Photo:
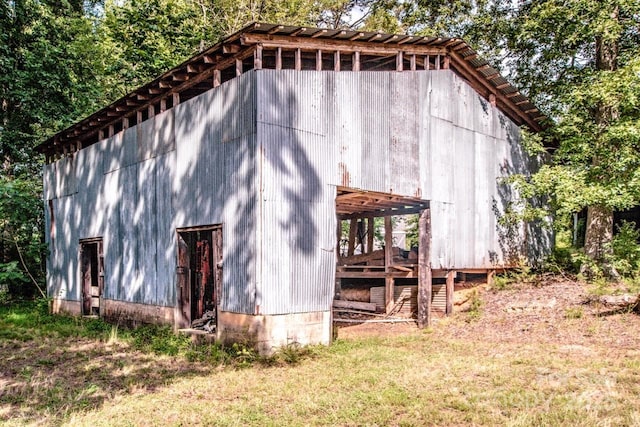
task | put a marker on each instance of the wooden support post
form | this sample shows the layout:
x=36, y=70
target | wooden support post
x=298, y=60
x=238, y=67
x=257, y=57
x=217, y=78
x=413, y=62
x=151, y=111
x=360, y=235
x=111, y=131
x=492, y=99
x=338, y=238
x=370, y=233
x=176, y=99
x=424, y=269
x=389, y=299
x=451, y=276
x=446, y=62
x=163, y=105
x=399, y=59
x=125, y=123
x=336, y=61
x=138, y=117
x=353, y=228
x=426, y=62
x=437, y=61
x=279, y=58
x=100, y=134
x=318, y=60
x=356, y=61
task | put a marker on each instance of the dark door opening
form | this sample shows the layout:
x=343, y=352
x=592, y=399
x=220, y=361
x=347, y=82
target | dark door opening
x=92, y=275
x=199, y=277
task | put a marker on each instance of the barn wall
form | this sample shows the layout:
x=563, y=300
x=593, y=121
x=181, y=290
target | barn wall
x=426, y=134
x=135, y=188
x=297, y=219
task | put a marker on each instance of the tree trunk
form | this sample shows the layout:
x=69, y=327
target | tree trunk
x=600, y=218
x=599, y=232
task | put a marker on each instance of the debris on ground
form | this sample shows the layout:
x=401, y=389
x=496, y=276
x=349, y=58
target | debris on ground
x=206, y=323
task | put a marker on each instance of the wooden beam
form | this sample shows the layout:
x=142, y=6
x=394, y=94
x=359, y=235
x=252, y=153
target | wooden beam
x=336, y=60
x=217, y=78
x=176, y=99
x=352, y=236
x=278, y=58
x=446, y=62
x=297, y=63
x=451, y=276
x=426, y=62
x=412, y=61
x=111, y=131
x=370, y=233
x=388, y=260
x=399, y=60
x=163, y=105
x=424, y=269
x=356, y=61
x=151, y=110
x=307, y=43
x=319, y=60
x=238, y=67
x=257, y=58
x=125, y=123
x=138, y=117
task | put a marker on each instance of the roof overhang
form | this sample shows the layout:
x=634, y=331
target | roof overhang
x=244, y=50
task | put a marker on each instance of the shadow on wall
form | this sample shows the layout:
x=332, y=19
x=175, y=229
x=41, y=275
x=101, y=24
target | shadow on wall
x=532, y=240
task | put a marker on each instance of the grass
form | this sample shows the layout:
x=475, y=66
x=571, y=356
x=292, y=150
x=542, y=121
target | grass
x=72, y=372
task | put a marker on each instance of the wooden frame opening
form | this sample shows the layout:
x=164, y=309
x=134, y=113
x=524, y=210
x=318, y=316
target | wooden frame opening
x=365, y=262
x=92, y=275
x=199, y=277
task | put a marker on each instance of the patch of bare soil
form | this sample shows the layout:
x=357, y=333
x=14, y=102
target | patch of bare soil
x=552, y=310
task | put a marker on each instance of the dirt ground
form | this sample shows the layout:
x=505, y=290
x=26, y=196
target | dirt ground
x=553, y=309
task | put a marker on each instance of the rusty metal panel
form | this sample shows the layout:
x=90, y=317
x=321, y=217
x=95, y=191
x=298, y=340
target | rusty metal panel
x=156, y=135
x=403, y=150
x=345, y=129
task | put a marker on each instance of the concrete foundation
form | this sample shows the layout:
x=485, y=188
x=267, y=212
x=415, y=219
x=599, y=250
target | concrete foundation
x=268, y=332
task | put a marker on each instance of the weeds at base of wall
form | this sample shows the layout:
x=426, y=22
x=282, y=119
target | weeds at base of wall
x=475, y=307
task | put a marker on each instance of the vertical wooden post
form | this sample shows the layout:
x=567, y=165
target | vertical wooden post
x=298, y=60
x=151, y=111
x=424, y=269
x=338, y=238
x=125, y=123
x=451, y=276
x=238, y=67
x=318, y=60
x=336, y=61
x=176, y=99
x=163, y=105
x=101, y=134
x=217, y=78
x=492, y=99
x=413, y=62
x=356, y=61
x=279, y=58
x=389, y=299
x=370, y=233
x=399, y=60
x=446, y=61
x=426, y=62
x=353, y=227
x=437, y=61
x=111, y=131
x=257, y=57
x=138, y=117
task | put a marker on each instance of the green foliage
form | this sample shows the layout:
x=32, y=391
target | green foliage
x=625, y=253
x=573, y=313
x=475, y=308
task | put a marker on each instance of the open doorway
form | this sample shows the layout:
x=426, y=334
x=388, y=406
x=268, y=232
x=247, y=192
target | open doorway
x=199, y=277
x=91, y=275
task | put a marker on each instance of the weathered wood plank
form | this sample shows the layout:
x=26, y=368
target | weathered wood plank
x=451, y=275
x=355, y=305
x=424, y=269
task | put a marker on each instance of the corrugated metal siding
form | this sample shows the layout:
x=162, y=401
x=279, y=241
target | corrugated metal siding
x=297, y=235
x=404, y=152
x=375, y=106
x=216, y=180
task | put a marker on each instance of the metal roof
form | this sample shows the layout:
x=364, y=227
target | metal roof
x=195, y=75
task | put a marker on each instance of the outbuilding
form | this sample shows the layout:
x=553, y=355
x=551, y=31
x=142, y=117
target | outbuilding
x=223, y=189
